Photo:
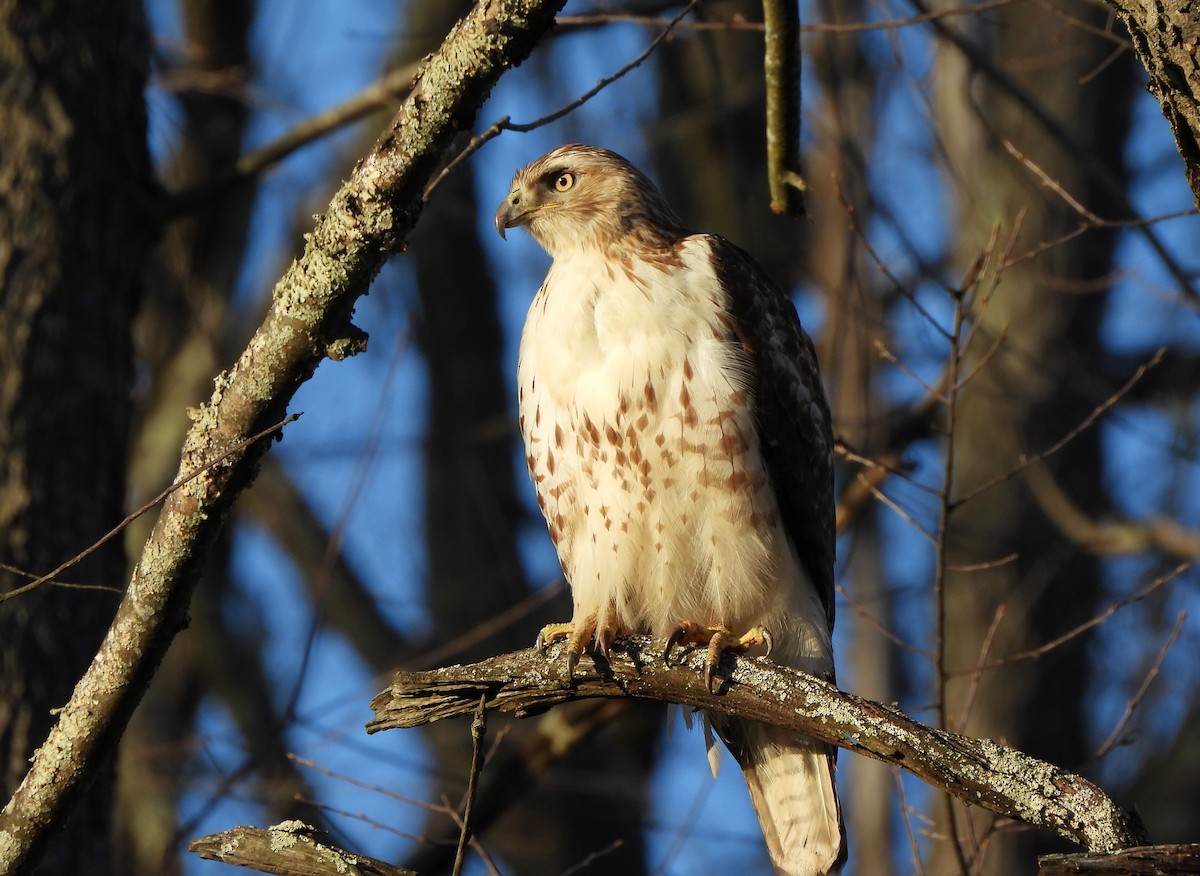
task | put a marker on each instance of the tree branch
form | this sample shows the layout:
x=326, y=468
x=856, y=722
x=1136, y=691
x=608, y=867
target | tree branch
x=309, y=320
x=287, y=849
x=1144, y=861
x=781, y=65
x=978, y=771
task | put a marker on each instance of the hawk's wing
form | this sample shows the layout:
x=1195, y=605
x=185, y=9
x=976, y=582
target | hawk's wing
x=794, y=430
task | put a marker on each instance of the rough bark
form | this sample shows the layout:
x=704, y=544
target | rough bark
x=1143, y=861
x=369, y=217
x=74, y=198
x=984, y=772
x=288, y=849
x=1166, y=35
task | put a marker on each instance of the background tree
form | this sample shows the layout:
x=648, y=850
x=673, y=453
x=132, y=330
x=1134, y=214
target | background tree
x=1009, y=144
x=75, y=194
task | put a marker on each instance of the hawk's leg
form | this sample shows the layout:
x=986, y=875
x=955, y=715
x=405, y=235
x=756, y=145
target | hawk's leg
x=598, y=630
x=719, y=639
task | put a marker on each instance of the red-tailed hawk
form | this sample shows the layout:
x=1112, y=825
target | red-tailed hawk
x=679, y=440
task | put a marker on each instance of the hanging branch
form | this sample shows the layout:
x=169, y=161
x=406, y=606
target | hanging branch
x=978, y=771
x=781, y=64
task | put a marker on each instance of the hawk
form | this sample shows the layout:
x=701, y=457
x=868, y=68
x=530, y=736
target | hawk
x=679, y=441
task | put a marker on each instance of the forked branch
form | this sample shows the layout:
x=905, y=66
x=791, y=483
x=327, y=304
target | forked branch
x=978, y=771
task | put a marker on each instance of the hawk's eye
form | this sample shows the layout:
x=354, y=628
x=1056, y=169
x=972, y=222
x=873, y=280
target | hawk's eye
x=564, y=182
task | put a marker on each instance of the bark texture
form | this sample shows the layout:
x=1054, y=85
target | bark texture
x=1166, y=36
x=74, y=197
x=984, y=772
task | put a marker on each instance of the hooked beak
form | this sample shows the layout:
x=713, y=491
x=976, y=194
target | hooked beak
x=510, y=213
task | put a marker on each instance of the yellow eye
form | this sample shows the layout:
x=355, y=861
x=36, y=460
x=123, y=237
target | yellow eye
x=564, y=182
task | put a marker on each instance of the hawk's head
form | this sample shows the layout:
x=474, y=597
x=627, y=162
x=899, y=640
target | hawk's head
x=580, y=197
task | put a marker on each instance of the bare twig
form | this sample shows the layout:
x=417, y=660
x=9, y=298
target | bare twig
x=914, y=848
x=499, y=126
x=379, y=95
x=1027, y=460
x=478, y=728
x=977, y=675
x=881, y=628
x=981, y=772
x=942, y=547
x=1143, y=689
x=593, y=857
x=739, y=24
x=120, y=527
x=1080, y=629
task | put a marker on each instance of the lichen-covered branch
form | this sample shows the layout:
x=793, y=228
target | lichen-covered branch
x=369, y=217
x=1143, y=861
x=978, y=771
x=288, y=849
x=781, y=65
x=1166, y=37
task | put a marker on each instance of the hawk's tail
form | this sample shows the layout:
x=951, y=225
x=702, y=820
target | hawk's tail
x=790, y=778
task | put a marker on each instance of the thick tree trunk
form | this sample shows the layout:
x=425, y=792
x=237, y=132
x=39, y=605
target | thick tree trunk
x=74, y=188
x=1165, y=35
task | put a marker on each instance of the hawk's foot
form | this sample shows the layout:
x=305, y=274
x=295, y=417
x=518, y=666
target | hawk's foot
x=597, y=631
x=719, y=639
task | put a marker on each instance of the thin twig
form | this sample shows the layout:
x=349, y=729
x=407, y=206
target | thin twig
x=379, y=95
x=977, y=675
x=478, y=729
x=946, y=507
x=1080, y=629
x=1025, y=460
x=883, y=630
x=878, y=261
x=738, y=24
x=120, y=527
x=496, y=128
x=592, y=857
x=906, y=811
x=1136, y=699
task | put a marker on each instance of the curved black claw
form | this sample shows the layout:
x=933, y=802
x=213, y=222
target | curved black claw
x=572, y=662
x=769, y=642
x=677, y=635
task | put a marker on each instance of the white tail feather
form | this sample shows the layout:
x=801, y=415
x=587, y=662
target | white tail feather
x=791, y=784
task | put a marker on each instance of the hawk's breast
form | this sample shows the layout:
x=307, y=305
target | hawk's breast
x=637, y=415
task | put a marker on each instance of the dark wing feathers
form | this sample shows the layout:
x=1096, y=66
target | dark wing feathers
x=790, y=407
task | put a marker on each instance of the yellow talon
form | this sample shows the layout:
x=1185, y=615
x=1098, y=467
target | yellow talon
x=592, y=633
x=718, y=640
